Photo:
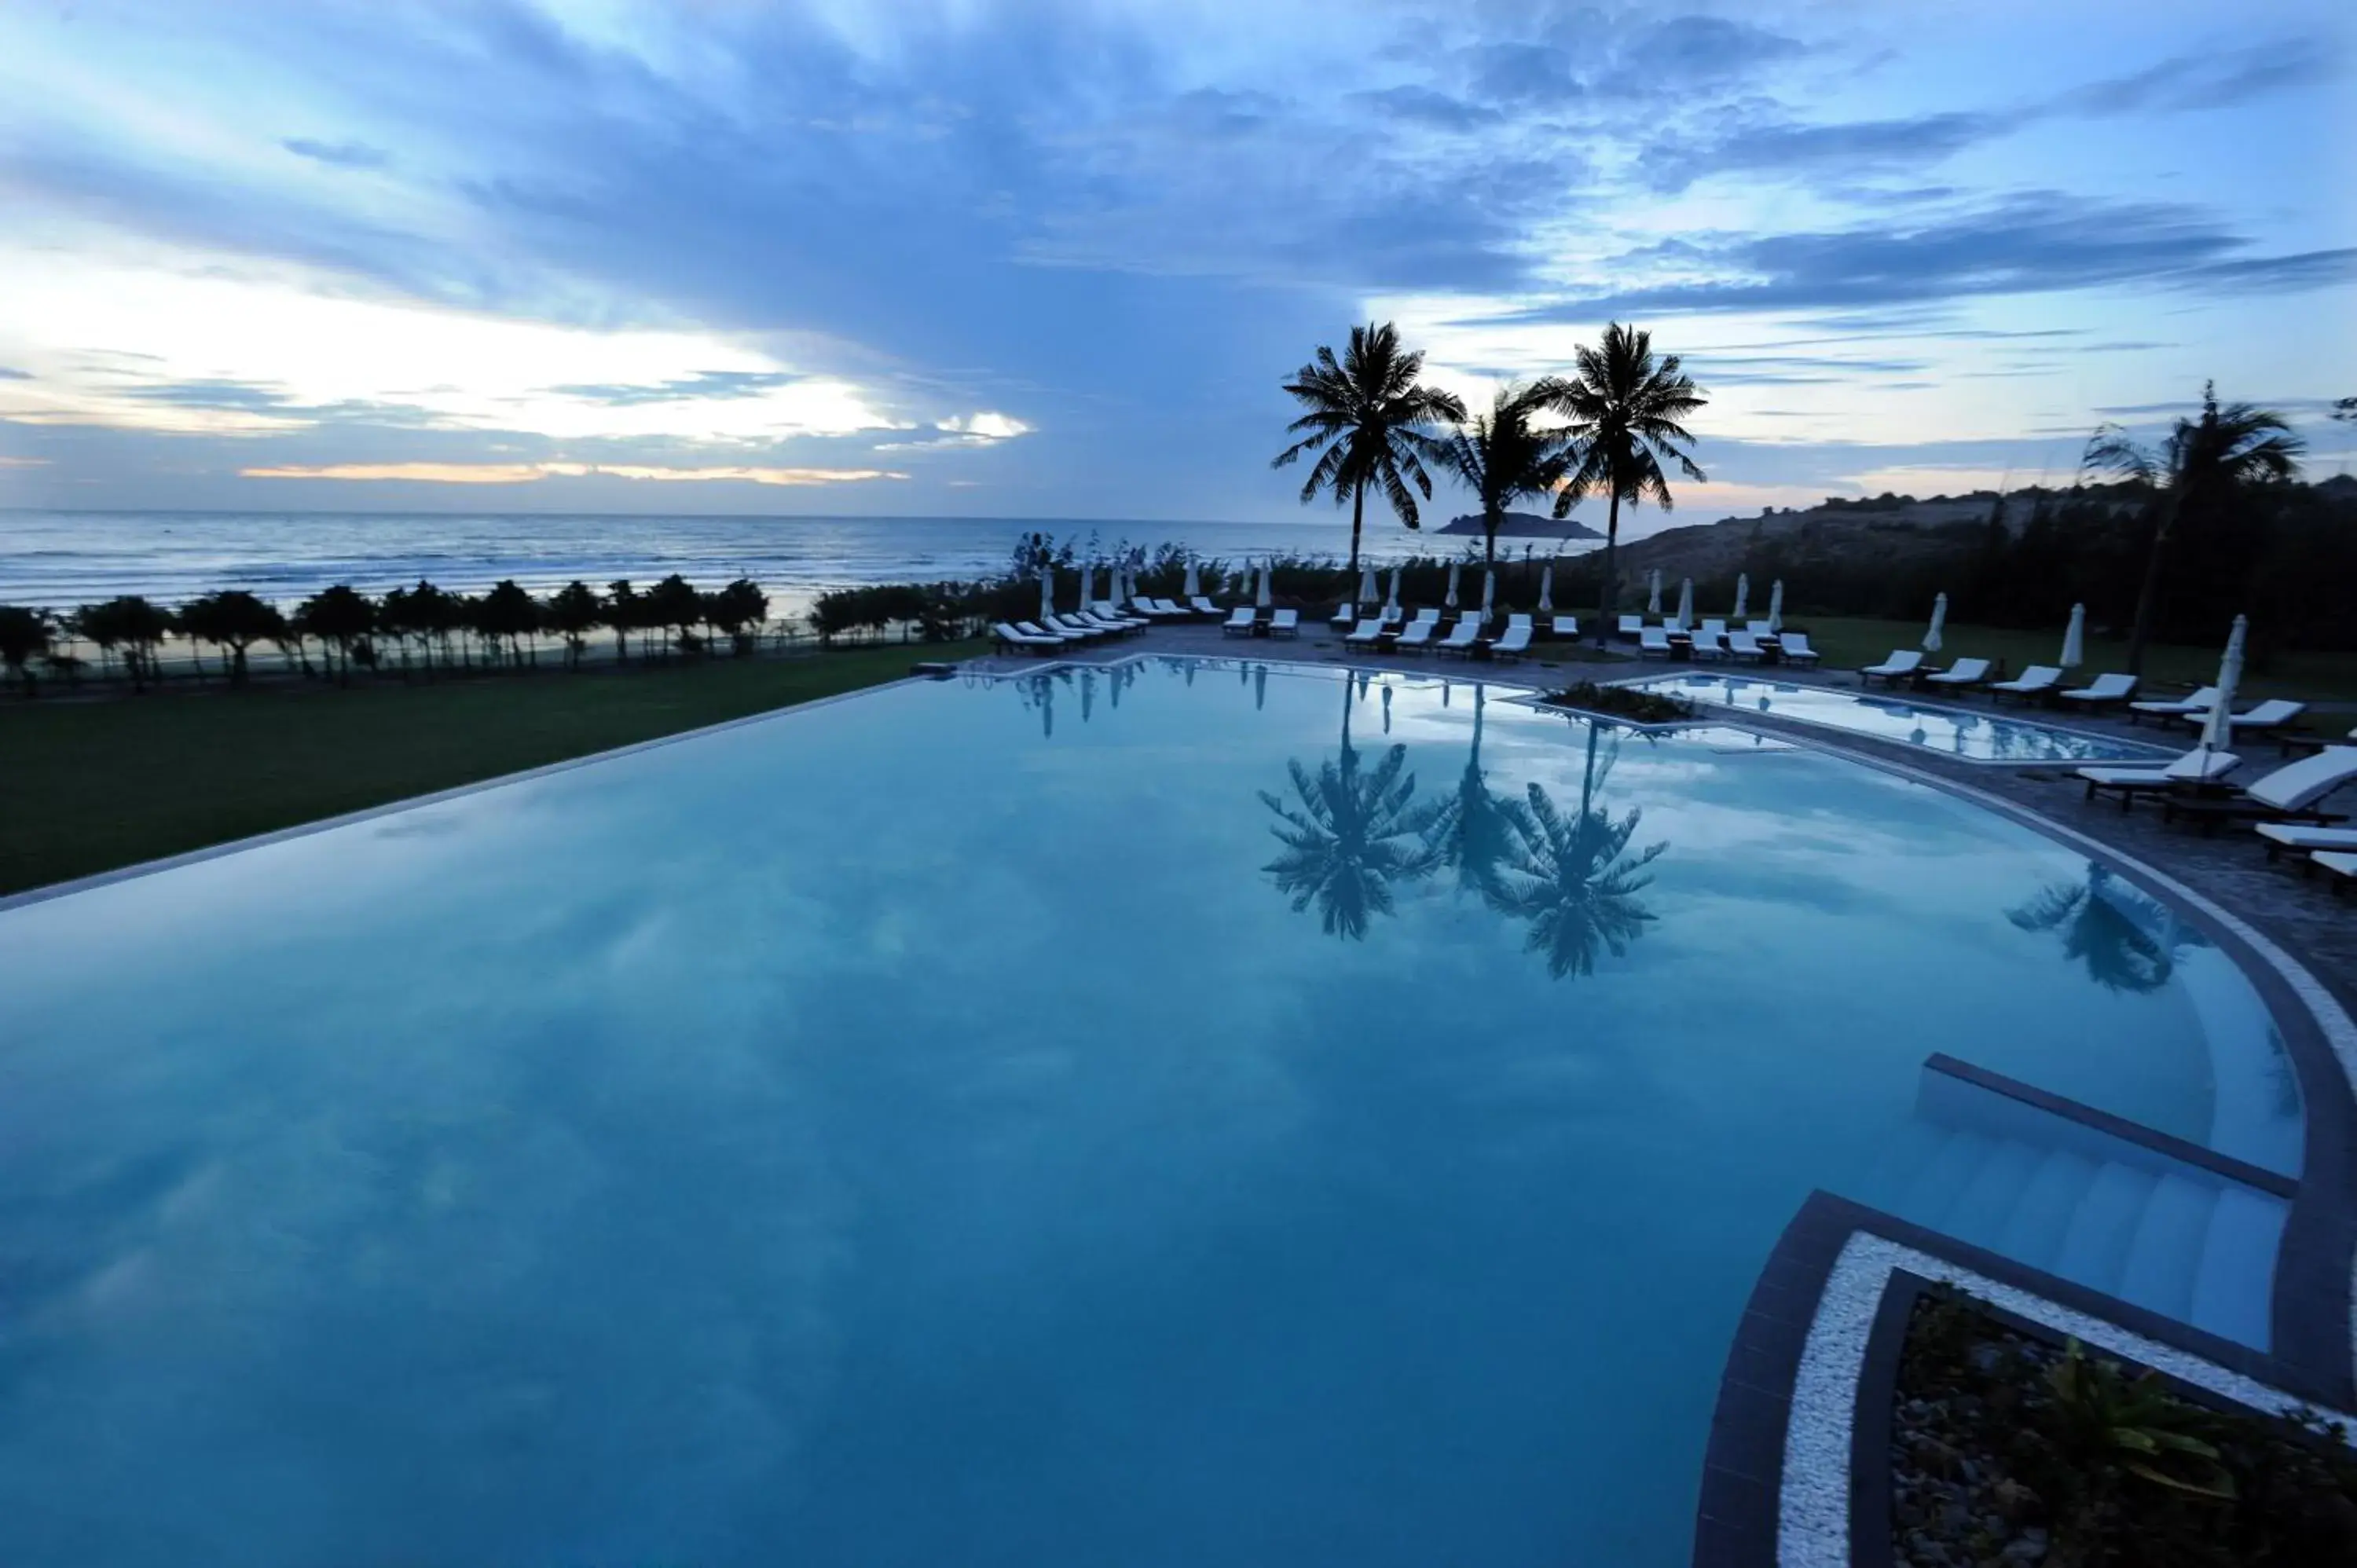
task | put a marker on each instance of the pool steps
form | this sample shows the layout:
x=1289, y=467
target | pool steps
x=2033, y=1184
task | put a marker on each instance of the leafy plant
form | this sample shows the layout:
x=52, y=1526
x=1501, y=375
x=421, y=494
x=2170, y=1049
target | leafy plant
x=2103, y=1419
x=1638, y=703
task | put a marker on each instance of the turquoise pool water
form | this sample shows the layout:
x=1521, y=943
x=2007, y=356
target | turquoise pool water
x=924, y=1130
x=1976, y=736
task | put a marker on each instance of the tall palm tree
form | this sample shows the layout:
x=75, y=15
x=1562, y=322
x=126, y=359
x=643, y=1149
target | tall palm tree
x=1370, y=424
x=2204, y=460
x=1624, y=406
x=2100, y=930
x=1573, y=878
x=1355, y=832
x=1474, y=833
x=1501, y=457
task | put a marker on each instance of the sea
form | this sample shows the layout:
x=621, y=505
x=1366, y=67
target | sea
x=56, y=560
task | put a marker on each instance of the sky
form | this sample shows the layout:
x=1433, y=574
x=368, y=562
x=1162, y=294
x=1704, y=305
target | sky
x=1056, y=261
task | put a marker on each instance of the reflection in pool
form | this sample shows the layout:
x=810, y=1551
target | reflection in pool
x=1984, y=736
x=921, y=1130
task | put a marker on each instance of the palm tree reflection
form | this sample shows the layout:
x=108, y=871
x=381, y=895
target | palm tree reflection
x=1475, y=829
x=2126, y=941
x=1573, y=878
x=1352, y=833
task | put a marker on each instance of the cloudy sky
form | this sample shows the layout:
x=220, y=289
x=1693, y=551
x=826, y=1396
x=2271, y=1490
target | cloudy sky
x=1054, y=260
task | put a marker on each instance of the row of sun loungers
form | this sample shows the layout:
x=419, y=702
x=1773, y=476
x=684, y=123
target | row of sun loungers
x=1421, y=632
x=1743, y=645
x=1281, y=623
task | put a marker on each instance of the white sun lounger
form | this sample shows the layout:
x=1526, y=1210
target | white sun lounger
x=1014, y=637
x=1714, y=626
x=1794, y=648
x=1708, y=644
x=1367, y=633
x=2166, y=708
x=1566, y=626
x=1513, y=643
x=1632, y=627
x=2034, y=681
x=1240, y=621
x=2343, y=866
x=1344, y=614
x=1462, y=637
x=2274, y=716
x=1745, y=647
x=2195, y=768
x=1285, y=623
x=1902, y=664
x=2102, y=692
x=1654, y=642
x=2301, y=838
x=1106, y=610
x=1081, y=629
x=1963, y=672
x=2292, y=792
x=1394, y=613
x=1203, y=606
x=1416, y=635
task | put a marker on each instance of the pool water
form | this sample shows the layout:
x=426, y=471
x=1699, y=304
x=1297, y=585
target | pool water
x=1984, y=736
x=951, y=1125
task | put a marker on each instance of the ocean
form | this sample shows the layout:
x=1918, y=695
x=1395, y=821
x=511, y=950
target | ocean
x=56, y=560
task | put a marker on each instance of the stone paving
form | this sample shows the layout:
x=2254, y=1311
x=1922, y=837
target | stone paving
x=2298, y=911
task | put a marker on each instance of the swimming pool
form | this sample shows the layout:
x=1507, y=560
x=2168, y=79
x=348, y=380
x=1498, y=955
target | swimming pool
x=952, y=1125
x=1960, y=733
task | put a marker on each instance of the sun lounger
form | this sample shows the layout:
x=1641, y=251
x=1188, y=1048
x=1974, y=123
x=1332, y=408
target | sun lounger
x=1792, y=647
x=1566, y=626
x=2343, y=866
x=1957, y=677
x=1715, y=626
x=2290, y=793
x=2193, y=770
x=2301, y=839
x=1106, y=610
x=1394, y=614
x=2274, y=717
x=1462, y=637
x=2037, y=680
x=1632, y=627
x=1203, y=606
x=2101, y=692
x=1367, y=633
x=2166, y=708
x=1654, y=642
x=1430, y=617
x=1514, y=642
x=1240, y=621
x=1124, y=625
x=1708, y=644
x=1010, y=638
x=1523, y=622
x=1416, y=636
x=1344, y=614
x=1081, y=629
x=1744, y=647
x=1901, y=665
x=1285, y=623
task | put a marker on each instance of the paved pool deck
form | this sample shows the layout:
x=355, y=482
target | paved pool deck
x=2298, y=911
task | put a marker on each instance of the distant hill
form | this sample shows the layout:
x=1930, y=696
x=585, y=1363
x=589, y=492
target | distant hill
x=1522, y=525
x=1869, y=532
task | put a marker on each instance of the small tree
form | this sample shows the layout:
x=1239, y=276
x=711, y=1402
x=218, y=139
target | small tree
x=24, y=637
x=232, y=619
x=675, y=604
x=508, y=613
x=737, y=610
x=623, y=607
x=572, y=612
x=340, y=617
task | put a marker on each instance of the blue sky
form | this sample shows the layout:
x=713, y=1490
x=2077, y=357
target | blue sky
x=1054, y=260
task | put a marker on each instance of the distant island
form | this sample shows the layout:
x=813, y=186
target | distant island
x=1522, y=525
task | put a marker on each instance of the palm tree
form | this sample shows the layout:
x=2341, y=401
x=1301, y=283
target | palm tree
x=1475, y=830
x=131, y=624
x=1370, y=423
x=1574, y=879
x=572, y=611
x=1624, y=407
x=1355, y=833
x=1501, y=457
x=340, y=615
x=2204, y=461
x=507, y=611
x=2100, y=930
x=234, y=620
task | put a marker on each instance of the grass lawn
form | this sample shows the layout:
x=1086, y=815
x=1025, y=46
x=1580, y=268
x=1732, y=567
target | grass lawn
x=1848, y=643
x=89, y=786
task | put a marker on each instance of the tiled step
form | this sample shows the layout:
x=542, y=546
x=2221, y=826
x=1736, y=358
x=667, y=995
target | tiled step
x=2043, y=1213
x=1981, y=1210
x=2167, y=1251
x=1937, y=1186
x=2233, y=1285
x=2095, y=1247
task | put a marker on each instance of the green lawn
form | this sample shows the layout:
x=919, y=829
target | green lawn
x=89, y=786
x=1849, y=643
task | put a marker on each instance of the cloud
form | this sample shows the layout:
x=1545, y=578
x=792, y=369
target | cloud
x=8, y=373
x=2212, y=80
x=683, y=389
x=1424, y=105
x=527, y=473
x=24, y=462
x=1852, y=148
x=339, y=155
x=2034, y=243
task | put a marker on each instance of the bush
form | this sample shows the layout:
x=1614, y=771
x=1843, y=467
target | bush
x=1639, y=703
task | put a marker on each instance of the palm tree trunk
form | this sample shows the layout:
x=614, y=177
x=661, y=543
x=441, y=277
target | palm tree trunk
x=2150, y=591
x=1604, y=616
x=1491, y=518
x=1358, y=511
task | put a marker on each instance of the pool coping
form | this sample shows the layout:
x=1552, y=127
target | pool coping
x=98, y=879
x=2159, y=753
